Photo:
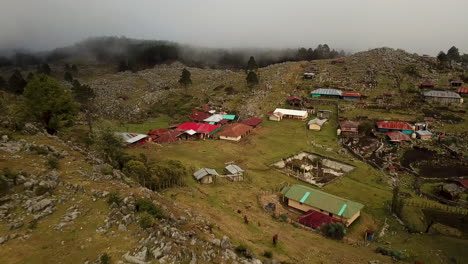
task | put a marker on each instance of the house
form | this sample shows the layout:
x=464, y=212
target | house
x=281, y=113
x=235, y=172
x=308, y=199
x=169, y=136
x=316, y=124
x=351, y=95
x=235, y=132
x=397, y=137
x=443, y=97
x=424, y=134
x=463, y=91
x=324, y=114
x=348, y=127
x=338, y=61
x=389, y=126
x=456, y=83
x=253, y=121
x=214, y=119
x=200, y=130
x=152, y=134
x=309, y=75
x=426, y=85
x=463, y=183
x=205, y=175
x=199, y=116
x=326, y=92
x=132, y=138
x=294, y=100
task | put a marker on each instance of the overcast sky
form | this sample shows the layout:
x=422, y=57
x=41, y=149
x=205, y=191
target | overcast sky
x=423, y=26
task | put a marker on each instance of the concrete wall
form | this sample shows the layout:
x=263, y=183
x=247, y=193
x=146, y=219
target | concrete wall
x=315, y=127
x=231, y=138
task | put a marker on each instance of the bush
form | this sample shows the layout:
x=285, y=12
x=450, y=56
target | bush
x=41, y=150
x=146, y=221
x=397, y=255
x=107, y=170
x=104, y=259
x=284, y=217
x=114, y=197
x=333, y=230
x=33, y=223
x=240, y=249
x=268, y=254
x=40, y=190
x=144, y=205
x=52, y=162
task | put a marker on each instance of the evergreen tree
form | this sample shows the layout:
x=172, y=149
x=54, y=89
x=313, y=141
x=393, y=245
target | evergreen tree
x=74, y=68
x=16, y=83
x=185, y=79
x=84, y=95
x=453, y=54
x=252, y=79
x=44, y=69
x=442, y=57
x=252, y=64
x=49, y=103
x=68, y=77
x=30, y=76
x=302, y=54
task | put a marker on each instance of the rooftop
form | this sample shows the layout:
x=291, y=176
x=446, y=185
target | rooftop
x=397, y=136
x=234, y=169
x=317, y=121
x=204, y=172
x=235, y=130
x=290, y=112
x=253, y=121
x=394, y=125
x=198, y=127
x=130, y=138
x=444, y=94
x=327, y=91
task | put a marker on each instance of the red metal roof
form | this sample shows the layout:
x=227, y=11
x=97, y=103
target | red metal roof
x=398, y=136
x=463, y=90
x=198, y=127
x=253, y=121
x=199, y=116
x=464, y=183
x=426, y=84
x=394, y=125
x=235, y=130
x=291, y=98
x=348, y=125
x=168, y=136
x=157, y=131
x=350, y=94
x=315, y=219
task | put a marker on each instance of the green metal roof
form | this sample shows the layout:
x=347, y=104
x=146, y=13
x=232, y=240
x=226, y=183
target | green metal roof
x=230, y=117
x=322, y=200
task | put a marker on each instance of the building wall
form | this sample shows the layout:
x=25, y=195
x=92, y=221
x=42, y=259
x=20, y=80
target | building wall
x=305, y=208
x=314, y=127
x=425, y=137
x=443, y=100
x=231, y=138
x=275, y=118
x=207, y=179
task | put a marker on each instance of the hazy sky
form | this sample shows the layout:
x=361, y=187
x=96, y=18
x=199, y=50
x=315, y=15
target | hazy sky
x=423, y=26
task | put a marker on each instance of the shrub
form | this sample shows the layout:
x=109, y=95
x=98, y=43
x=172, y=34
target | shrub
x=104, y=259
x=284, y=217
x=146, y=221
x=268, y=254
x=40, y=190
x=41, y=150
x=240, y=249
x=144, y=205
x=52, y=162
x=397, y=255
x=107, y=170
x=114, y=197
x=33, y=223
x=333, y=230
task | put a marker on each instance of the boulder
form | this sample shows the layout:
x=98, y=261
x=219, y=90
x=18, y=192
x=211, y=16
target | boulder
x=225, y=242
x=40, y=205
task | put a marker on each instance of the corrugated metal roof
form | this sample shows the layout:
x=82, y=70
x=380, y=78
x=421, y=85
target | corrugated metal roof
x=204, y=172
x=322, y=200
x=394, y=125
x=199, y=116
x=290, y=98
x=234, y=169
x=327, y=91
x=463, y=90
x=235, y=130
x=444, y=94
x=130, y=138
x=230, y=117
x=398, y=136
x=253, y=121
x=214, y=118
x=424, y=133
x=350, y=94
x=348, y=124
x=317, y=121
x=198, y=127
x=291, y=112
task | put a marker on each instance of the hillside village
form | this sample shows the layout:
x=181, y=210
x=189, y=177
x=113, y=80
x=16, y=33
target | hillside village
x=373, y=145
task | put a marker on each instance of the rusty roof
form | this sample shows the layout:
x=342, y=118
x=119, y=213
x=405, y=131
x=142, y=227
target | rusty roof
x=397, y=136
x=394, y=125
x=235, y=130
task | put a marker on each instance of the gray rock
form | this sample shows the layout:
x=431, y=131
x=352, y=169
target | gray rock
x=5, y=138
x=122, y=227
x=3, y=239
x=225, y=242
x=216, y=242
x=41, y=205
x=15, y=225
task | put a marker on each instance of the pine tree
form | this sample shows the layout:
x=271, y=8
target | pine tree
x=16, y=83
x=44, y=69
x=252, y=64
x=442, y=57
x=185, y=79
x=68, y=77
x=252, y=79
x=453, y=54
x=30, y=76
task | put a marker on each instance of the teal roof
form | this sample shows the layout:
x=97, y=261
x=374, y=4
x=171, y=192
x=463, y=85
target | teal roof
x=230, y=117
x=322, y=200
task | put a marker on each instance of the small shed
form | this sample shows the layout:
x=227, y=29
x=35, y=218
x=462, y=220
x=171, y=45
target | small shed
x=294, y=100
x=324, y=114
x=426, y=85
x=205, y=175
x=253, y=121
x=316, y=124
x=349, y=127
x=198, y=116
x=456, y=83
x=235, y=172
x=443, y=97
x=326, y=92
x=309, y=75
x=424, y=134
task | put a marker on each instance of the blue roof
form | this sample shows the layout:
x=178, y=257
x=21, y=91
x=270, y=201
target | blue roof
x=230, y=117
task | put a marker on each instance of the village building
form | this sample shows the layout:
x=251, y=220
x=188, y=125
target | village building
x=424, y=134
x=326, y=92
x=351, y=95
x=389, y=126
x=456, y=83
x=197, y=130
x=348, y=127
x=426, y=85
x=316, y=124
x=307, y=199
x=205, y=175
x=235, y=173
x=338, y=61
x=309, y=75
x=421, y=126
x=216, y=118
x=132, y=138
x=169, y=136
x=281, y=113
x=235, y=132
x=324, y=114
x=252, y=121
x=443, y=97
x=398, y=137
x=198, y=116
x=463, y=91
x=294, y=100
